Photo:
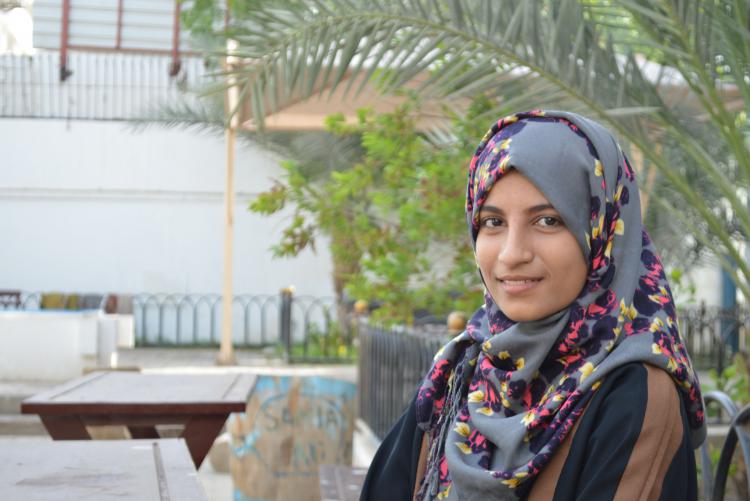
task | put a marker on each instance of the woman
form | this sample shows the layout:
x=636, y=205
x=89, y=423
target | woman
x=572, y=381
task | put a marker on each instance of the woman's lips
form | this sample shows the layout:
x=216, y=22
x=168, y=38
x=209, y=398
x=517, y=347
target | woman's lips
x=514, y=286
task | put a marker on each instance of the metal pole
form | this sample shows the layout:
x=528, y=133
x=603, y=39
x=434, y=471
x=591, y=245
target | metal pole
x=226, y=350
x=118, y=36
x=729, y=323
x=285, y=320
x=65, y=28
x=174, y=68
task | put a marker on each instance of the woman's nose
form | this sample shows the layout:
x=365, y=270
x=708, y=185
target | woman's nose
x=516, y=249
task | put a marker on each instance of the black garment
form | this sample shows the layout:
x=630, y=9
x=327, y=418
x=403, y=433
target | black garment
x=392, y=473
x=604, y=445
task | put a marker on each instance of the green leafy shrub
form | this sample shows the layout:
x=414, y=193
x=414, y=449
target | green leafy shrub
x=394, y=217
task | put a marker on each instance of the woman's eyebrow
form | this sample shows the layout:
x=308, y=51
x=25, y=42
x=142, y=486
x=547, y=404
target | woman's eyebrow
x=531, y=210
x=540, y=208
x=491, y=208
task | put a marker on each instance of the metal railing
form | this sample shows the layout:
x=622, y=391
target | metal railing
x=312, y=330
x=305, y=327
x=257, y=320
x=713, y=335
x=392, y=362
x=102, y=86
x=195, y=319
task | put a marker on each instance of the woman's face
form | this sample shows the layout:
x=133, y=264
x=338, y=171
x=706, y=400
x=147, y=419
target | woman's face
x=530, y=261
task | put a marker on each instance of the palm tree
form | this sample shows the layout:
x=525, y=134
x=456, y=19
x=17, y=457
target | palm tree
x=671, y=77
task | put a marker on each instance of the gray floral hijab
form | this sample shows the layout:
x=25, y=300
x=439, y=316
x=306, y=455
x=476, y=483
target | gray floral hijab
x=502, y=396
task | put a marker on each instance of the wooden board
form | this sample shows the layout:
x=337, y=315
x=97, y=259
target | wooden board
x=292, y=425
x=137, y=470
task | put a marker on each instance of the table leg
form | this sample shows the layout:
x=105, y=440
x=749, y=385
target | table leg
x=143, y=432
x=65, y=427
x=200, y=433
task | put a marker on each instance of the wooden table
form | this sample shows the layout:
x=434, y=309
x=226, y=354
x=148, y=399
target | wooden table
x=102, y=470
x=200, y=402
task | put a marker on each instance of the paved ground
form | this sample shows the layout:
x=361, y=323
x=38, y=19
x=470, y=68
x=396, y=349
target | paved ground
x=218, y=485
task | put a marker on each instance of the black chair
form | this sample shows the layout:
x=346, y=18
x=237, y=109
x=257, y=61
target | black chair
x=10, y=299
x=714, y=484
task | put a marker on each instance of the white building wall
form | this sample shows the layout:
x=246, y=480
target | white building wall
x=98, y=206
x=707, y=282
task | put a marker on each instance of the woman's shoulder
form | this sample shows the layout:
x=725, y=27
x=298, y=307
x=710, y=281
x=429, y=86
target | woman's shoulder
x=639, y=388
x=639, y=371
x=638, y=403
x=631, y=441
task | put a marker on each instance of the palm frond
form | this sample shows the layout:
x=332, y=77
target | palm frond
x=579, y=55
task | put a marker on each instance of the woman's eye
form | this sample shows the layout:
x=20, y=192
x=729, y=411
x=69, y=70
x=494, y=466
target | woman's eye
x=549, y=221
x=491, y=222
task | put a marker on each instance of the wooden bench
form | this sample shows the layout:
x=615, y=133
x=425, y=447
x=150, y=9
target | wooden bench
x=106, y=470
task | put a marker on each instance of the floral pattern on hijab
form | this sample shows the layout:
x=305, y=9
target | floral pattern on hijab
x=502, y=396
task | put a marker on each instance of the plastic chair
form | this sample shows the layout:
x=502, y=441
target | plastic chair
x=53, y=301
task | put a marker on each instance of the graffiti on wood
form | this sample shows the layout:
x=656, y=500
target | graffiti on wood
x=291, y=426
